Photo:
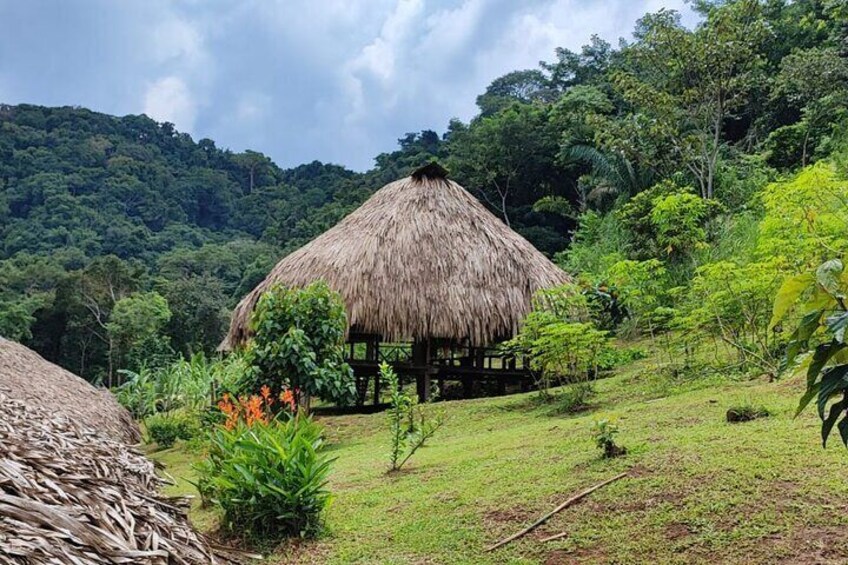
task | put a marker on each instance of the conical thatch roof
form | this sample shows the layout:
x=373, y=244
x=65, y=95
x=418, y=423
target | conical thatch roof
x=29, y=378
x=420, y=258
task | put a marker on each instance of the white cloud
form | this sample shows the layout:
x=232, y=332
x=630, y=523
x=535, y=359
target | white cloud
x=176, y=40
x=335, y=80
x=378, y=62
x=170, y=100
x=428, y=62
x=252, y=107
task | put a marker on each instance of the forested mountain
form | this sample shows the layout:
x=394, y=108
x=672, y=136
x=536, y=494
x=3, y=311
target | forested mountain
x=122, y=239
x=95, y=208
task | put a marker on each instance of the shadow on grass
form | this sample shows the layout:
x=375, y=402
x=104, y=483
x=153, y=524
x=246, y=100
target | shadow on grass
x=557, y=404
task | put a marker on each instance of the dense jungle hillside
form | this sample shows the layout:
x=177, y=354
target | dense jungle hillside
x=653, y=167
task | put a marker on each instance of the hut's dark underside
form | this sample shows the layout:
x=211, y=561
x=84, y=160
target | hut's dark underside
x=455, y=369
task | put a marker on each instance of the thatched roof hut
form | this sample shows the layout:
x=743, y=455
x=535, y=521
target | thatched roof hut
x=29, y=378
x=420, y=259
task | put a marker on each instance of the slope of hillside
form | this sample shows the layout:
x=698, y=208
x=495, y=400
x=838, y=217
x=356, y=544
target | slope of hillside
x=699, y=490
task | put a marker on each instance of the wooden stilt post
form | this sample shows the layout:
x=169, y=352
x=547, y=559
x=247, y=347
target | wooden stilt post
x=421, y=358
x=372, y=354
x=467, y=386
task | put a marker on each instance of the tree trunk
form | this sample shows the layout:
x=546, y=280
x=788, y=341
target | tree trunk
x=109, y=361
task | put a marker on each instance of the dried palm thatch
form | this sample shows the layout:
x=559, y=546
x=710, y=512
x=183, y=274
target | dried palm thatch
x=420, y=258
x=70, y=495
x=28, y=377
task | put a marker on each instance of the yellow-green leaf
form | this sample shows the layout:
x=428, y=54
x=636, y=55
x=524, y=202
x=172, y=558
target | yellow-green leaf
x=788, y=294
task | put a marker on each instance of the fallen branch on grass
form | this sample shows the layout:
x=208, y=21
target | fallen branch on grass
x=554, y=537
x=559, y=508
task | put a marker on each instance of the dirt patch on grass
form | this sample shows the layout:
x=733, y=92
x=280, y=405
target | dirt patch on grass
x=819, y=545
x=515, y=516
x=593, y=554
x=302, y=552
x=816, y=545
x=638, y=471
x=676, y=531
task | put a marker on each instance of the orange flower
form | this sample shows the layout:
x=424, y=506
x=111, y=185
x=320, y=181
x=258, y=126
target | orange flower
x=250, y=410
x=265, y=391
x=287, y=397
x=230, y=410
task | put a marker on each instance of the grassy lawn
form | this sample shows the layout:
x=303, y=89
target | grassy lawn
x=700, y=490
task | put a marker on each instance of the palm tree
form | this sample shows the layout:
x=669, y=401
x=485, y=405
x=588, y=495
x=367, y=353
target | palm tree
x=612, y=174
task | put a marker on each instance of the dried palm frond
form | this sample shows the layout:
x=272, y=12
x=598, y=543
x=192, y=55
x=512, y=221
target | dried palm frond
x=71, y=495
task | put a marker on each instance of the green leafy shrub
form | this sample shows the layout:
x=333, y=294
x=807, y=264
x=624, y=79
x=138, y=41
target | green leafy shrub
x=185, y=383
x=604, y=432
x=598, y=243
x=678, y=220
x=167, y=427
x=269, y=477
x=409, y=426
x=561, y=346
x=641, y=286
x=135, y=330
x=733, y=303
x=575, y=397
x=138, y=393
x=611, y=357
x=806, y=220
x=298, y=343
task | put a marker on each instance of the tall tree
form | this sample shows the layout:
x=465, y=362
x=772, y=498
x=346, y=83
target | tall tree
x=506, y=159
x=105, y=282
x=691, y=83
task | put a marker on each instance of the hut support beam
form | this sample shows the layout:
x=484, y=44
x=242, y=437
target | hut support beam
x=421, y=360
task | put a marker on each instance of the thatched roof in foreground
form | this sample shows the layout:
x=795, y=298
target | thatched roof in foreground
x=71, y=494
x=420, y=258
x=29, y=378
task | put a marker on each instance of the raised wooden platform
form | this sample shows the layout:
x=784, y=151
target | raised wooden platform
x=434, y=363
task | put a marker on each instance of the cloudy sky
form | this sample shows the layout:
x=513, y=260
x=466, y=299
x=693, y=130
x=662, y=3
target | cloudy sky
x=299, y=80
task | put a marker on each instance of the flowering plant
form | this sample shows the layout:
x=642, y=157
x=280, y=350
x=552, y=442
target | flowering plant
x=267, y=474
x=256, y=407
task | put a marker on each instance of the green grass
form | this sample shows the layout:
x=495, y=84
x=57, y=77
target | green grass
x=700, y=490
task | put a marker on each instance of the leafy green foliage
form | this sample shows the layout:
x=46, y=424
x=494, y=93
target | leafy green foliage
x=574, y=397
x=409, y=426
x=298, y=343
x=640, y=285
x=678, y=219
x=805, y=219
x=598, y=242
x=135, y=328
x=165, y=428
x=668, y=219
x=186, y=383
x=734, y=303
x=559, y=345
x=138, y=393
x=269, y=478
x=821, y=299
x=604, y=432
